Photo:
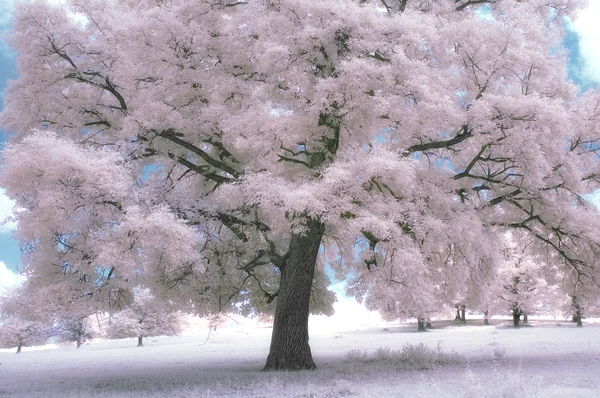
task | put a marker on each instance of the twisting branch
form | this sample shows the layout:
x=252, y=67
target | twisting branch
x=88, y=76
x=170, y=135
x=232, y=222
x=61, y=53
x=501, y=198
x=472, y=3
x=387, y=7
x=202, y=170
x=462, y=135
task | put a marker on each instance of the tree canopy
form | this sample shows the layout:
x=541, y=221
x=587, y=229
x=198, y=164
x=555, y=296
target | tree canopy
x=222, y=152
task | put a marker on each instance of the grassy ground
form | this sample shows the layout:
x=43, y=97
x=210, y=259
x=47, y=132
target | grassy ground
x=542, y=360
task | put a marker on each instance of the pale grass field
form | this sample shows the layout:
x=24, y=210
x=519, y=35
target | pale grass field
x=551, y=358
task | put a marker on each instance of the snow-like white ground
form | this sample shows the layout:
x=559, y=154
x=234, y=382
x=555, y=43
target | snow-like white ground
x=550, y=358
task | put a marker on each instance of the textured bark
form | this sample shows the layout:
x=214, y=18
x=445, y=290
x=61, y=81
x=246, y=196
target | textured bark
x=289, y=342
x=19, y=348
x=140, y=342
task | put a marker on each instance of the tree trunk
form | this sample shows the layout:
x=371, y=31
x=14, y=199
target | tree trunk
x=140, y=342
x=525, y=321
x=289, y=342
x=428, y=323
x=486, y=319
x=576, y=311
x=516, y=317
x=463, y=318
x=19, y=348
x=78, y=343
x=420, y=324
x=457, y=317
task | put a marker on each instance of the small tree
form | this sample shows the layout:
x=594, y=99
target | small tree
x=19, y=332
x=22, y=323
x=72, y=329
x=145, y=317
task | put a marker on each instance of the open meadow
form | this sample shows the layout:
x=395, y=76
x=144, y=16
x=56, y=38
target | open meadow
x=357, y=356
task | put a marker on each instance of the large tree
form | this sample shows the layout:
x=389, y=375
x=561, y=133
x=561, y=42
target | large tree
x=221, y=152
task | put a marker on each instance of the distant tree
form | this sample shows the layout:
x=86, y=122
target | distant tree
x=461, y=310
x=73, y=329
x=579, y=302
x=525, y=283
x=19, y=332
x=223, y=151
x=145, y=317
x=64, y=305
x=398, y=293
x=22, y=322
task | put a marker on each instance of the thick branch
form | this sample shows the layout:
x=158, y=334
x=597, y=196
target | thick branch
x=457, y=139
x=170, y=135
x=111, y=88
x=291, y=160
x=202, y=170
x=501, y=198
x=473, y=2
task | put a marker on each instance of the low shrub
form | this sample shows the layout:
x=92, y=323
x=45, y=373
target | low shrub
x=410, y=356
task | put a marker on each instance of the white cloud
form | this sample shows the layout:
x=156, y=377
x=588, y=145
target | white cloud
x=594, y=198
x=7, y=208
x=588, y=28
x=8, y=278
x=7, y=10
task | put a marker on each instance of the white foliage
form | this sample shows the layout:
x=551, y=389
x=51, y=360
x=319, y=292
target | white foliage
x=416, y=136
x=525, y=281
x=18, y=332
x=145, y=317
x=78, y=330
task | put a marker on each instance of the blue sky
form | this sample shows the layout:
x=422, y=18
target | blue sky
x=9, y=249
x=583, y=42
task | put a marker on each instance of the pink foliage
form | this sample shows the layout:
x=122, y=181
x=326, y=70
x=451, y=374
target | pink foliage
x=191, y=139
x=147, y=316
